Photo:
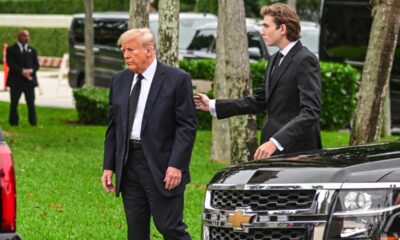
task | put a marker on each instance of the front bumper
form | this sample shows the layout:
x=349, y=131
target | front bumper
x=10, y=236
x=313, y=222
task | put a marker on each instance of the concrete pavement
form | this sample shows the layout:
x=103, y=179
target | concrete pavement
x=51, y=93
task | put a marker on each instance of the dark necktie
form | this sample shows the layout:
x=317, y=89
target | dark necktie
x=133, y=101
x=25, y=56
x=275, y=66
x=277, y=62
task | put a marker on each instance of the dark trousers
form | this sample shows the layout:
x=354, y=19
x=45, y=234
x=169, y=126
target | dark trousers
x=15, y=94
x=142, y=200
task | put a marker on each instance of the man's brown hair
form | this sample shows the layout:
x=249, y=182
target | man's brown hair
x=284, y=14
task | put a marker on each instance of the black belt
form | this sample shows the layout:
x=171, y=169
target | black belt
x=135, y=144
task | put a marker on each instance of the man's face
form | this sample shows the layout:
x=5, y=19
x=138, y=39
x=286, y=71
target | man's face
x=136, y=56
x=272, y=33
x=23, y=37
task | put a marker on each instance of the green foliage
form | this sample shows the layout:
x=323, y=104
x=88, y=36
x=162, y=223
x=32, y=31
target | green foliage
x=47, y=41
x=92, y=105
x=60, y=7
x=339, y=88
x=207, y=6
x=199, y=69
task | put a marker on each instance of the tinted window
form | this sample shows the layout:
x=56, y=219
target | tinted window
x=203, y=40
x=256, y=41
x=78, y=31
x=106, y=32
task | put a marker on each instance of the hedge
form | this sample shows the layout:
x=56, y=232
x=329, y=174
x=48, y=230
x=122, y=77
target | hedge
x=339, y=88
x=60, y=6
x=47, y=41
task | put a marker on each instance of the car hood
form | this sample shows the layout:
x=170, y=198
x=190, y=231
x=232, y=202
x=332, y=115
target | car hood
x=368, y=163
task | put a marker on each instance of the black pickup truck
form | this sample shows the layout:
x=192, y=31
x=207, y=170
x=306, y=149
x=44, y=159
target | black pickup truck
x=8, y=193
x=343, y=193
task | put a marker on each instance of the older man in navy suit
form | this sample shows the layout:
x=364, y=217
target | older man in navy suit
x=149, y=140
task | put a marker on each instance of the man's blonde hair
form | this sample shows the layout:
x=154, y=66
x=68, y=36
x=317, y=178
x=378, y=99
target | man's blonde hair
x=143, y=35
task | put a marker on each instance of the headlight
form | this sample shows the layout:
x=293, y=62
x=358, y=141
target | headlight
x=359, y=214
x=357, y=200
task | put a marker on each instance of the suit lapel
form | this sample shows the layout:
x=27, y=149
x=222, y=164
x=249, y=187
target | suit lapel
x=155, y=87
x=126, y=85
x=268, y=72
x=286, y=62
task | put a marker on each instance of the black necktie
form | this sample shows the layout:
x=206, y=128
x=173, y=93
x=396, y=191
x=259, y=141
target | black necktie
x=277, y=62
x=133, y=101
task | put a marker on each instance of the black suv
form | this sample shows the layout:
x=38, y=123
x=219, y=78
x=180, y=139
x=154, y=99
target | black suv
x=345, y=30
x=343, y=194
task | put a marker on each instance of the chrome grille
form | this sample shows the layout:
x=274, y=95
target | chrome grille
x=258, y=234
x=262, y=200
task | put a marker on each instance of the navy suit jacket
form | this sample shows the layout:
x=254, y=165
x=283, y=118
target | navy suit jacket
x=16, y=61
x=168, y=126
x=291, y=98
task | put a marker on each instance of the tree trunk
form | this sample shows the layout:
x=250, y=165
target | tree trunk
x=138, y=13
x=376, y=73
x=89, y=42
x=292, y=3
x=387, y=118
x=168, y=32
x=234, y=139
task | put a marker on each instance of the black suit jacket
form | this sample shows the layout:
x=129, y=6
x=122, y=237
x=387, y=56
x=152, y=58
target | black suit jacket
x=168, y=126
x=291, y=98
x=16, y=62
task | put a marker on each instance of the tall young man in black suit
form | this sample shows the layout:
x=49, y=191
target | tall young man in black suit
x=290, y=94
x=149, y=139
x=23, y=63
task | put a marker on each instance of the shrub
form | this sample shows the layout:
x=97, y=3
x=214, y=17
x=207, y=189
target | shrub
x=47, y=41
x=92, y=105
x=339, y=88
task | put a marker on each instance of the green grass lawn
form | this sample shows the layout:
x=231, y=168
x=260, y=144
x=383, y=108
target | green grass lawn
x=58, y=168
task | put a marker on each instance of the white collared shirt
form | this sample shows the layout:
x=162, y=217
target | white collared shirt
x=287, y=49
x=284, y=52
x=21, y=47
x=144, y=93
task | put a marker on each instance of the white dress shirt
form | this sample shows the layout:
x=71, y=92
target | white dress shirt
x=284, y=52
x=21, y=47
x=144, y=93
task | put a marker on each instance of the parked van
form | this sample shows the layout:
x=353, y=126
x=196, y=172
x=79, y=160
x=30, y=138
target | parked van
x=107, y=29
x=345, y=31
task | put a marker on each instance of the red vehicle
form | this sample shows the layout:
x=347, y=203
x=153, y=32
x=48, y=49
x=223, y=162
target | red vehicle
x=8, y=200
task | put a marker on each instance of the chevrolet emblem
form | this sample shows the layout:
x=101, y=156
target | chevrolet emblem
x=239, y=219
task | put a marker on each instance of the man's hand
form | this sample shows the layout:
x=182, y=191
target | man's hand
x=202, y=102
x=265, y=150
x=27, y=73
x=172, y=178
x=106, y=180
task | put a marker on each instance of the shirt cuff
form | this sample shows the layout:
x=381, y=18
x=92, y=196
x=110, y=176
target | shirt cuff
x=277, y=144
x=211, y=106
